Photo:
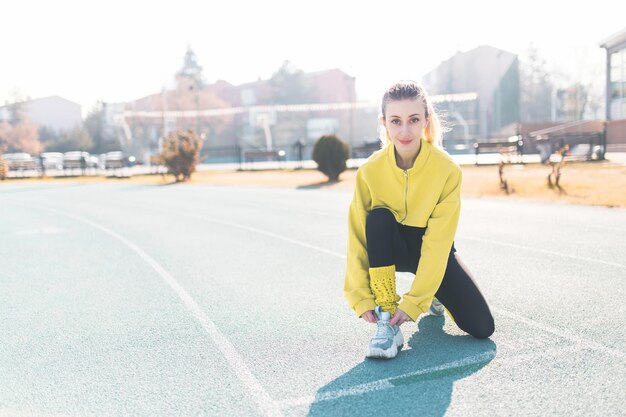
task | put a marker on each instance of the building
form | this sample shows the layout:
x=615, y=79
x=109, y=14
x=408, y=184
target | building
x=291, y=107
x=484, y=88
x=615, y=47
x=53, y=112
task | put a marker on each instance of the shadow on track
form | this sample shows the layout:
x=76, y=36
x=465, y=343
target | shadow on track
x=317, y=185
x=421, y=378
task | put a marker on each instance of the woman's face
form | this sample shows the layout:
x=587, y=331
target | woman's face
x=405, y=121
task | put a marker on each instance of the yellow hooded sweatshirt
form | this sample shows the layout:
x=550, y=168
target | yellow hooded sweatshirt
x=427, y=195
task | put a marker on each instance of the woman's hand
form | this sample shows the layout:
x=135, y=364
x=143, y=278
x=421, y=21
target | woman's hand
x=369, y=316
x=399, y=318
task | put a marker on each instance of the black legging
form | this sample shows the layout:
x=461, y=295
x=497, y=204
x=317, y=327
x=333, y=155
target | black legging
x=392, y=243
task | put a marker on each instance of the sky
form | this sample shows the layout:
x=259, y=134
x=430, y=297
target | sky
x=118, y=51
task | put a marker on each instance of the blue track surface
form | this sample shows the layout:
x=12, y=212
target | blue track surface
x=196, y=300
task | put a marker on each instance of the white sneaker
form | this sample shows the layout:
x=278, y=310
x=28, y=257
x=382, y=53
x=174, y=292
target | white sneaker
x=388, y=340
x=436, y=308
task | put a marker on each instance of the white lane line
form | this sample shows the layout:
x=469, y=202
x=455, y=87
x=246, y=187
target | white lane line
x=547, y=252
x=244, y=227
x=515, y=360
x=490, y=241
x=293, y=210
x=565, y=335
x=270, y=234
x=488, y=358
x=267, y=405
x=386, y=383
x=554, y=331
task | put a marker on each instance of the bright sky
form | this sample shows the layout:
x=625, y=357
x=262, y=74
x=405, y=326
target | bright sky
x=121, y=50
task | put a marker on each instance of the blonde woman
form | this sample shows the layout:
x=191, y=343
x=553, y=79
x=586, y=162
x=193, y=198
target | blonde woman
x=403, y=217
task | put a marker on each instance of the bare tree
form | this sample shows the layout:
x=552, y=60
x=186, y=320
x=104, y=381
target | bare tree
x=22, y=137
x=536, y=87
x=102, y=134
x=289, y=86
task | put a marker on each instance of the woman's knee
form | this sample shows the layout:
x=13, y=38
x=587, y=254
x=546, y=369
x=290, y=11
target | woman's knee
x=380, y=217
x=484, y=330
x=479, y=328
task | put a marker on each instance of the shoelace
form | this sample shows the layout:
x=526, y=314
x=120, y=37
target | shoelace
x=382, y=329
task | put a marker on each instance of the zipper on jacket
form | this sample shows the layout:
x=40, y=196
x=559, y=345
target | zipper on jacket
x=406, y=191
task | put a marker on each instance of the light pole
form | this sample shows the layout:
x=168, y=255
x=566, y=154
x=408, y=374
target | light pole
x=197, y=110
x=352, y=104
x=164, y=104
x=352, y=98
x=497, y=109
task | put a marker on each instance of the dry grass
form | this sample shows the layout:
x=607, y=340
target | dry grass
x=591, y=183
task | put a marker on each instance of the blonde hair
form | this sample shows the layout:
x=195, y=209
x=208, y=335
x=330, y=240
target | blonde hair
x=412, y=90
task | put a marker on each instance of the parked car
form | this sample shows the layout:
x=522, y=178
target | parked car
x=93, y=161
x=102, y=160
x=52, y=160
x=118, y=159
x=78, y=159
x=19, y=161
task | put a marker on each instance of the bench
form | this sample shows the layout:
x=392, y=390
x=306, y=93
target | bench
x=594, y=142
x=253, y=155
x=511, y=146
x=365, y=149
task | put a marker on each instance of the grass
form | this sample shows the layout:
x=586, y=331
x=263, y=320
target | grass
x=589, y=183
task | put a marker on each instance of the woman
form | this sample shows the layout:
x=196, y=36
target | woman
x=403, y=217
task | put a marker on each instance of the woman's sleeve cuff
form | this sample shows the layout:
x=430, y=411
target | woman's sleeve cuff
x=363, y=306
x=410, y=309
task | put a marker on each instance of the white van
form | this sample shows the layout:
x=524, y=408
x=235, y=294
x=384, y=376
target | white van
x=19, y=161
x=78, y=159
x=52, y=160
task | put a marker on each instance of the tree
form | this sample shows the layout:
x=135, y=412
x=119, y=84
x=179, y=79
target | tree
x=15, y=108
x=331, y=154
x=20, y=133
x=180, y=154
x=572, y=102
x=536, y=88
x=102, y=135
x=3, y=166
x=21, y=137
x=191, y=69
x=568, y=91
x=47, y=135
x=591, y=80
x=581, y=86
x=77, y=139
x=5, y=133
x=288, y=85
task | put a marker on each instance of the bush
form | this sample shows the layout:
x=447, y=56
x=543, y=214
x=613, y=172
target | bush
x=3, y=165
x=331, y=154
x=181, y=152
